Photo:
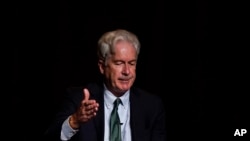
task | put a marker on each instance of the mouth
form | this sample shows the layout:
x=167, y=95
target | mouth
x=124, y=79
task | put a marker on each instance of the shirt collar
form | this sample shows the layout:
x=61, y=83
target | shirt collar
x=109, y=98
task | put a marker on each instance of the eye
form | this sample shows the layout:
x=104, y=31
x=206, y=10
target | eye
x=118, y=62
x=133, y=63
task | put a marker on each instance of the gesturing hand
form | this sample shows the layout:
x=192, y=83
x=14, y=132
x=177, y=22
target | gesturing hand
x=85, y=112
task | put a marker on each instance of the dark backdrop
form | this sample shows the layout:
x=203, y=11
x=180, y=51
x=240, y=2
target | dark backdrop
x=55, y=48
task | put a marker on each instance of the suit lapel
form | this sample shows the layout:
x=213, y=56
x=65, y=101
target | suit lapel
x=135, y=120
x=99, y=119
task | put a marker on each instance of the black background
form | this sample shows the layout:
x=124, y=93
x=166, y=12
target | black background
x=195, y=75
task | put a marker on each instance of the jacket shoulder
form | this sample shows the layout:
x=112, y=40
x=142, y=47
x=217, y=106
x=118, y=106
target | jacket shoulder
x=145, y=95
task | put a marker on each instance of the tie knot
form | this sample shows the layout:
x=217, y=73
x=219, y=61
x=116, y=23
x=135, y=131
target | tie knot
x=117, y=102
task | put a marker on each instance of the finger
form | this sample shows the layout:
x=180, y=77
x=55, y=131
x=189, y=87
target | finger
x=88, y=102
x=86, y=94
x=95, y=107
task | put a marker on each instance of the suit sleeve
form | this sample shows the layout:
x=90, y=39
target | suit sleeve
x=159, y=125
x=69, y=104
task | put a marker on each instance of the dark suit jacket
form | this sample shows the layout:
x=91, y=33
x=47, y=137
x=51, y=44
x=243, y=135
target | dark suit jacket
x=147, y=118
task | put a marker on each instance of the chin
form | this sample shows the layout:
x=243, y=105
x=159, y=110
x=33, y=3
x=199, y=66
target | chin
x=124, y=88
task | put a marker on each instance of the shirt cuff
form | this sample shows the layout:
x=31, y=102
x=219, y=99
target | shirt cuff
x=67, y=131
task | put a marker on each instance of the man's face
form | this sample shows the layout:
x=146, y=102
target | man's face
x=120, y=70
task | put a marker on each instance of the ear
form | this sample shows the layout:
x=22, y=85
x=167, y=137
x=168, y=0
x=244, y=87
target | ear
x=101, y=66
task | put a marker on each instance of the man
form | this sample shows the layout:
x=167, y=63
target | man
x=87, y=112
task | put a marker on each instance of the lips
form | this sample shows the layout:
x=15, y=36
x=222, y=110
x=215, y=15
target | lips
x=124, y=79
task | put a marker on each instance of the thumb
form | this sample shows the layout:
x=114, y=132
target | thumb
x=86, y=94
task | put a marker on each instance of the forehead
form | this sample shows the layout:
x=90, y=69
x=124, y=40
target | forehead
x=124, y=50
x=124, y=47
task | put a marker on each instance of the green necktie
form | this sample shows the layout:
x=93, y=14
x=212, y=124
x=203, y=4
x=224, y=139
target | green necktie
x=115, y=127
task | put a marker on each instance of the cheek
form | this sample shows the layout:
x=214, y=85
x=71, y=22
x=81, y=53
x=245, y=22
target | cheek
x=112, y=72
x=115, y=73
x=133, y=70
x=116, y=69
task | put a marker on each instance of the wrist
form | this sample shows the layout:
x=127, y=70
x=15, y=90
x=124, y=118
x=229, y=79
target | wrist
x=73, y=122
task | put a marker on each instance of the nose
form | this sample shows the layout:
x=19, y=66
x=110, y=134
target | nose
x=125, y=69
